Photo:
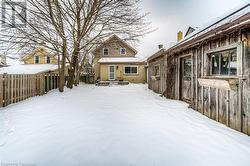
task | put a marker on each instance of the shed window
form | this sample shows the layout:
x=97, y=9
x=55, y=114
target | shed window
x=123, y=51
x=224, y=62
x=156, y=70
x=131, y=70
x=105, y=52
x=37, y=59
x=48, y=59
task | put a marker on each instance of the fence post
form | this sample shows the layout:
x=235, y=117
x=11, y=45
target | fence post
x=1, y=90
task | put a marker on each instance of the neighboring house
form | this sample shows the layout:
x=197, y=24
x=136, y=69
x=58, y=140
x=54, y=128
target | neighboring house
x=210, y=69
x=37, y=62
x=115, y=60
x=40, y=56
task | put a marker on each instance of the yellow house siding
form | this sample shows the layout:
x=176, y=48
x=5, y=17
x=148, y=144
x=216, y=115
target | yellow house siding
x=42, y=55
x=119, y=73
x=114, y=50
x=96, y=68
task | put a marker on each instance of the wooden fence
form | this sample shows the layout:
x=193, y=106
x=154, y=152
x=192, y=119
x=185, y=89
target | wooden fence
x=15, y=88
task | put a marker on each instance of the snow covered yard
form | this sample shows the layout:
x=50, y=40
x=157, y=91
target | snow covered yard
x=118, y=125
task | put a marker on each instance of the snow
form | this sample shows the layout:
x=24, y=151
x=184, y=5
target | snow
x=28, y=69
x=12, y=61
x=116, y=125
x=121, y=60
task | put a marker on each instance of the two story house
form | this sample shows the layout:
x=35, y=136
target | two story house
x=115, y=60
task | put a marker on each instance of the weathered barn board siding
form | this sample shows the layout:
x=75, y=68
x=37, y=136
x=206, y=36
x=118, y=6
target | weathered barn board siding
x=227, y=105
x=157, y=85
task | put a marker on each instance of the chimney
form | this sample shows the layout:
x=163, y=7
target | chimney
x=160, y=46
x=179, y=36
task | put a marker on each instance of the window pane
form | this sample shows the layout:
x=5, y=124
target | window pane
x=105, y=51
x=127, y=70
x=225, y=63
x=187, y=67
x=123, y=51
x=20, y=14
x=48, y=59
x=233, y=62
x=36, y=59
x=215, y=60
x=134, y=70
x=8, y=20
x=157, y=70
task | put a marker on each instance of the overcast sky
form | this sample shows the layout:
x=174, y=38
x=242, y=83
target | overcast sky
x=170, y=16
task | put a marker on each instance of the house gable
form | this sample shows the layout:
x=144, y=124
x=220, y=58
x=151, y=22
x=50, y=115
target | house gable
x=43, y=56
x=114, y=47
x=189, y=31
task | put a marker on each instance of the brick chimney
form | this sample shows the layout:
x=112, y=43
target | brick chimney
x=179, y=36
x=160, y=46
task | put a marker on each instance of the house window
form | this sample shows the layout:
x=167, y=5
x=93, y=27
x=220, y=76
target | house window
x=13, y=14
x=105, y=52
x=123, y=51
x=37, y=59
x=48, y=59
x=223, y=62
x=156, y=70
x=131, y=70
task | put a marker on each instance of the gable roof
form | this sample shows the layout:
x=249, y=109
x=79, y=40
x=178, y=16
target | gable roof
x=189, y=31
x=115, y=37
x=27, y=56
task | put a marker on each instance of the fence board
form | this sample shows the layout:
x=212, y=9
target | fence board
x=16, y=88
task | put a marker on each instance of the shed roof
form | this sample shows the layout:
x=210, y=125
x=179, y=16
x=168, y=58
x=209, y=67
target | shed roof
x=227, y=18
x=238, y=16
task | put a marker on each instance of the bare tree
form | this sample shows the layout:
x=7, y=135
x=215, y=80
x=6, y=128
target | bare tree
x=70, y=28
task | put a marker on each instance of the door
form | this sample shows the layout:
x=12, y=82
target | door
x=185, y=79
x=112, y=72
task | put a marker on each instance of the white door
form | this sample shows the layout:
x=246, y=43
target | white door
x=111, y=72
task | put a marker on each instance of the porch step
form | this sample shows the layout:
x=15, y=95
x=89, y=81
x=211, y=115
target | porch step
x=107, y=83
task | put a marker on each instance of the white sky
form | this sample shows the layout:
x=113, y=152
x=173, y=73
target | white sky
x=170, y=16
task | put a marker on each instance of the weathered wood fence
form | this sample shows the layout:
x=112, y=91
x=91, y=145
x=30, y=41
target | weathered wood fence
x=15, y=88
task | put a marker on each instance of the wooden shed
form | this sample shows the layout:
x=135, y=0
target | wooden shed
x=156, y=74
x=210, y=69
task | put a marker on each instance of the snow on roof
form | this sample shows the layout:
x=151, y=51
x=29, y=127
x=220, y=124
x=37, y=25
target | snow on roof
x=121, y=60
x=28, y=69
x=12, y=61
x=228, y=17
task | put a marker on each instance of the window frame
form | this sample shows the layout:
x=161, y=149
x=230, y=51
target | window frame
x=15, y=15
x=220, y=63
x=121, y=51
x=159, y=66
x=103, y=50
x=131, y=66
x=46, y=59
x=205, y=69
x=38, y=59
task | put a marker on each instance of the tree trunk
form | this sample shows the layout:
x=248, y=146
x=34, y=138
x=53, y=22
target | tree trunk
x=73, y=66
x=62, y=68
